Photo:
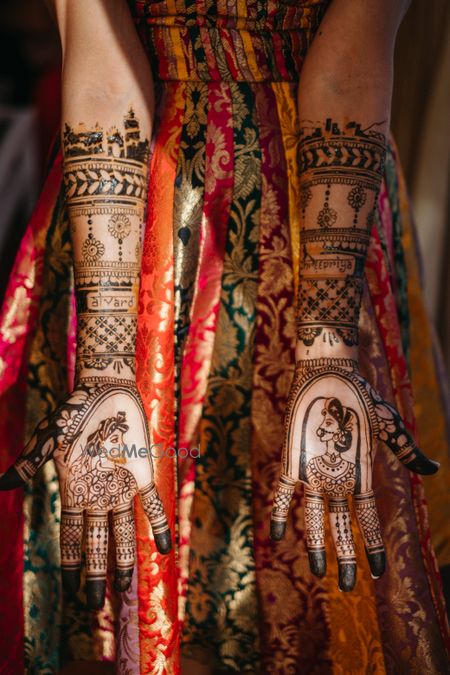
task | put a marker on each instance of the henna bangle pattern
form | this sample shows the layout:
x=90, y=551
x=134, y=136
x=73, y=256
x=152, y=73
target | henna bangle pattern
x=105, y=178
x=341, y=169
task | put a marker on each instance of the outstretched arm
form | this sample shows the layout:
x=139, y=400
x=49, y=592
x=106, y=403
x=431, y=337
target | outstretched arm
x=99, y=436
x=333, y=415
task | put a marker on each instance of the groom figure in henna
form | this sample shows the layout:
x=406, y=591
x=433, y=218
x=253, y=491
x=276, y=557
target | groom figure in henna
x=96, y=476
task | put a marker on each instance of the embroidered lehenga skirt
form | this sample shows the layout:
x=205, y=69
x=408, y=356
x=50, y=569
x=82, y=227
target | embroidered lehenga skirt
x=215, y=359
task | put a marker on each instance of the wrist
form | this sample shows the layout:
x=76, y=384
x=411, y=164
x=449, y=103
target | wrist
x=106, y=370
x=325, y=349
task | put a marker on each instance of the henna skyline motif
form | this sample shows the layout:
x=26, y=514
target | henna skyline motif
x=105, y=176
x=341, y=168
x=114, y=142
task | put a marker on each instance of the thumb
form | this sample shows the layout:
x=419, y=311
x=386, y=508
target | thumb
x=38, y=450
x=393, y=432
x=11, y=479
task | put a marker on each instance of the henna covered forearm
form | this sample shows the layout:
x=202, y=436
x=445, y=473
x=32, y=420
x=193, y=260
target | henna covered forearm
x=341, y=166
x=344, y=101
x=105, y=175
x=333, y=416
x=99, y=436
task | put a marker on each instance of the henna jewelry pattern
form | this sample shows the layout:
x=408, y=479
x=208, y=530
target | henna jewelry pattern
x=341, y=168
x=105, y=176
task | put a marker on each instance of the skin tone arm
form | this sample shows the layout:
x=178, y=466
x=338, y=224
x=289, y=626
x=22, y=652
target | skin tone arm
x=333, y=415
x=107, y=111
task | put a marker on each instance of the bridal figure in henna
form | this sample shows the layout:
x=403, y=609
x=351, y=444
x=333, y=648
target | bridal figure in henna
x=336, y=431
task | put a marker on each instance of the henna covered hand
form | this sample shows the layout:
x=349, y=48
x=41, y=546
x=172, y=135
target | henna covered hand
x=332, y=419
x=100, y=443
x=99, y=437
x=333, y=415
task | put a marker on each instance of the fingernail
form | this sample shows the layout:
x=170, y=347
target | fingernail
x=377, y=563
x=122, y=580
x=163, y=541
x=70, y=580
x=277, y=530
x=347, y=576
x=95, y=591
x=318, y=563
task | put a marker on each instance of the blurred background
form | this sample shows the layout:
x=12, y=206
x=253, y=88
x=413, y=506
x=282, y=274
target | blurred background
x=420, y=123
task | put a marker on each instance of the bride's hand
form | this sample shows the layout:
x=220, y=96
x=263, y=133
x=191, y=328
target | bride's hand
x=100, y=443
x=332, y=418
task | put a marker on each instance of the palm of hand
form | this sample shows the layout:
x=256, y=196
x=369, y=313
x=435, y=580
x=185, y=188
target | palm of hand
x=332, y=419
x=99, y=441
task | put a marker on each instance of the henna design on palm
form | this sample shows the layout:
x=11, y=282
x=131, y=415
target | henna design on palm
x=95, y=445
x=332, y=419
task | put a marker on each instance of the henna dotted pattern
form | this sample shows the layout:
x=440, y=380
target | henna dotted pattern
x=314, y=517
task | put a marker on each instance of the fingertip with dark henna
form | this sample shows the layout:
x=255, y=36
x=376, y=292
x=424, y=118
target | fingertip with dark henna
x=95, y=592
x=163, y=541
x=11, y=480
x=70, y=580
x=422, y=465
x=277, y=530
x=347, y=576
x=122, y=580
x=377, y=563
x=317, y=563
